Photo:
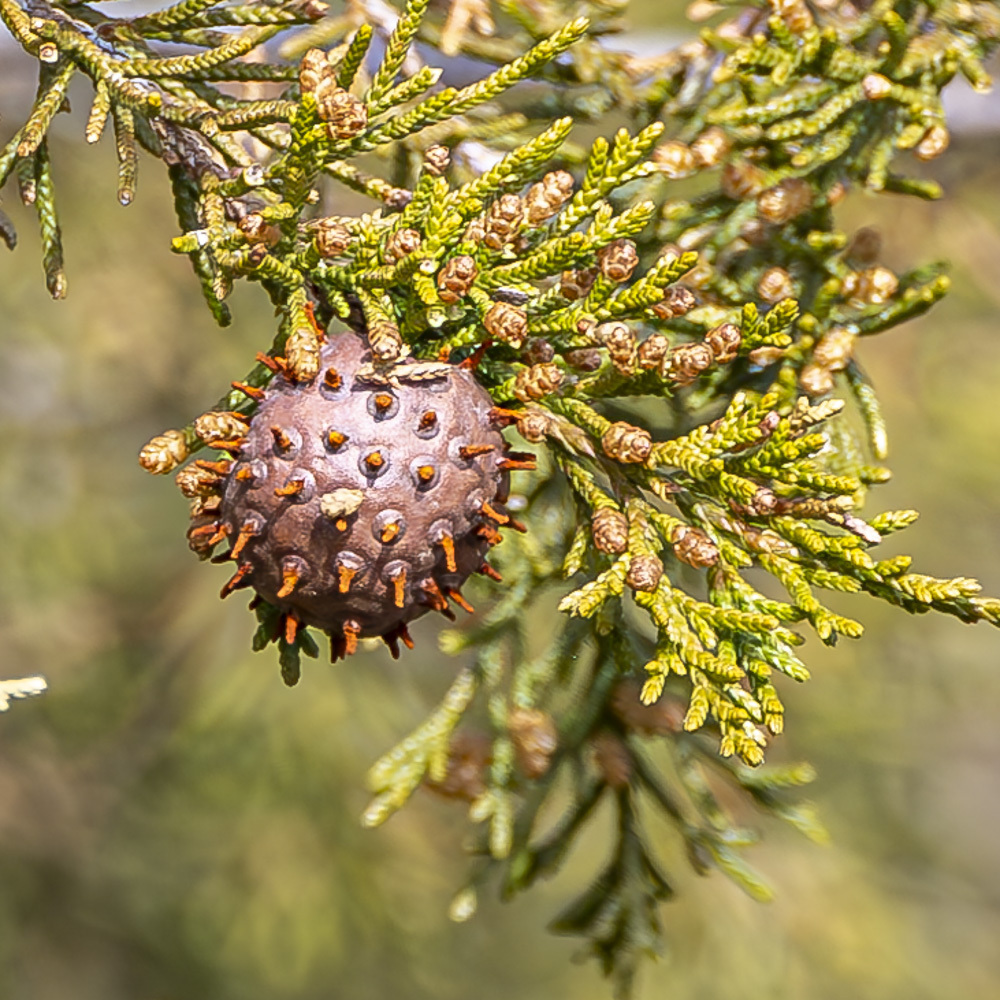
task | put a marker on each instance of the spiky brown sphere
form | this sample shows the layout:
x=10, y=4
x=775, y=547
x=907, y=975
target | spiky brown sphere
x=361, y=501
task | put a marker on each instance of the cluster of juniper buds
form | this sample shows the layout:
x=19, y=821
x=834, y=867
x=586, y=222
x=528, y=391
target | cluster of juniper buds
x=676, y=301
x=400, y=243
x=693, y=546
x=627, y=443
x=537, y=381
x=684, y=363
x=774, y=285
x=872, y=286
x=436, y=160
x=621, y=344
x=785, y=201
x=163, y=453
x=503, y=221
x=644, y=572
x=456, y=277
x=618, y=260
x=609, y=529
x=332, y=237
x=831, y=354
x=534, y=424
x=676, y=159
x=577, y=284
x=545, y=198
x=218, y=428
x=507, y=323
x=344, y=114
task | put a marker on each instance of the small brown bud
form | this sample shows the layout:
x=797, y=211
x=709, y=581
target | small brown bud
x=436, y=160
x=332, y=238
x=834, y=349
x=612, y=758
x=205, y=505
x=795, y=14
x=815, y=380
x=933, y=144
x=618, y=260
x=507, y=323
x=785, y=201
x=256, y=229
x=644, y=573
x=475, y=232
x=724, y=342
x=503, y=221
x=741, y=180
x=220, y=426
x=609, y=528
x=194, y=481
x=873, y=286
x=401, y=243
x=693, y=546
x=652, y=351
x=577, y=284
x=775, y=284
x=537, y=381
x=163, y=453
x=533, y=425
x=675, y=159
x=545, y=198
x=620, y=341
x=710, y=147
x=865, y=246
x=397, y=198
x=537, y=351
x=876, y=87
x=677, y=300
x=468, y=757
x=583, y=359
x=313, y=68
x=535, y=740
x=626, y=443
x=344, y=114
x=686, y=362
x=456, y=277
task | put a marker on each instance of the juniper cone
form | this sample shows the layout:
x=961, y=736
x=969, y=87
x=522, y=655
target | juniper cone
x=694, y=425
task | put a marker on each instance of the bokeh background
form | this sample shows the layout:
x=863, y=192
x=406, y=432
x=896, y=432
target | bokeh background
x=175, y=824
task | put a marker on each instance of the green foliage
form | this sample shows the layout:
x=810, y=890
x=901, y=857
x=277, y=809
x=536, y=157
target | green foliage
x=671, y=357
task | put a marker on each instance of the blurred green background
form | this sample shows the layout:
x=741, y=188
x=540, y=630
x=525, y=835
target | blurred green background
x=175, y=824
